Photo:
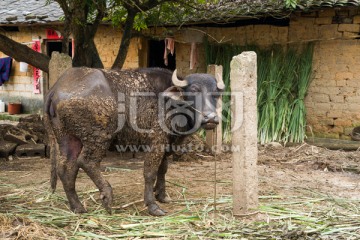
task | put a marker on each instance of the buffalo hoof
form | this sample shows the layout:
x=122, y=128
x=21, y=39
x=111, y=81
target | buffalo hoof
x=155, y=210
x=106, y=197
x=78, y=209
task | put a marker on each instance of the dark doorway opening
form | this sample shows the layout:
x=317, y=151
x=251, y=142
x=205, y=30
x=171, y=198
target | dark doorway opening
x=52, y=46
x=156, y=55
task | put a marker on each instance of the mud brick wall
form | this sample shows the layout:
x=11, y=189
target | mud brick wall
x=20, y=85
x=334, y=94
x=263, y=35
x=107, y=41
x=333, y=100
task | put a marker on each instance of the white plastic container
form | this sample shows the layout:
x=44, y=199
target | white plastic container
x=23, y=67
x=2, y=106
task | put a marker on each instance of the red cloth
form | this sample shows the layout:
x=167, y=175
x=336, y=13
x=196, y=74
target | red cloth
x=193, y=56
x=36, y=71
x=169, y=46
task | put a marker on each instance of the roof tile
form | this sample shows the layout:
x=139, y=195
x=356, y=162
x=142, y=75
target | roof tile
x=13, y=12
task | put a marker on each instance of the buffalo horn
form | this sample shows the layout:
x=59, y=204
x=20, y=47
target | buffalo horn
x=220, y=83
x=177, y=82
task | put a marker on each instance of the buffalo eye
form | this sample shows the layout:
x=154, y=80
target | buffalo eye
x=216, y=96
x=195, y=88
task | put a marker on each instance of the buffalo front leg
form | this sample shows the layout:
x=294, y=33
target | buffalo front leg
x=67, y=171
x=160, y=191
x=151, y=166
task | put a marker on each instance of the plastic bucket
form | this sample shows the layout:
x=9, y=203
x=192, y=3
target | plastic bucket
x=2, y=106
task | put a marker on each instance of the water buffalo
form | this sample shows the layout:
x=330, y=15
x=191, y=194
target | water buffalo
x=87, y=108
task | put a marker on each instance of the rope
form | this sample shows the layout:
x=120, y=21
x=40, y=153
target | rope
x=213, y=142
x=215, y=184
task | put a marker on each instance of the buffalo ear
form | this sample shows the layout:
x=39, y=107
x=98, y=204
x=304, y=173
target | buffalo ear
x=175, y=93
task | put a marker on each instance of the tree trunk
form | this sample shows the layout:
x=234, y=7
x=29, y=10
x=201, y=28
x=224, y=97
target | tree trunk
x=66, y=34
x=125, y=40
x=85, y=53
x=23, y=53
x=77, y=14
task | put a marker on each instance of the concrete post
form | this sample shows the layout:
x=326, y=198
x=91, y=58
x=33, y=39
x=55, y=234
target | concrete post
x=214, y=137
x=59, y=62
x=243, y=79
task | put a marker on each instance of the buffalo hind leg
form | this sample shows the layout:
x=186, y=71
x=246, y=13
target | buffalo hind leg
x=89, y=160
x=160, y=191
x=67, y=169
x=151, y=166
x=53, y=158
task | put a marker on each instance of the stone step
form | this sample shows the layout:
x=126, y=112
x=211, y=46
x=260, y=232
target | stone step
x=30, y=150
x=6, y=149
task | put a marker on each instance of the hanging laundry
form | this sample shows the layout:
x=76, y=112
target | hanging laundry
x=193, y=56
x=5, y=68
x=169, y=46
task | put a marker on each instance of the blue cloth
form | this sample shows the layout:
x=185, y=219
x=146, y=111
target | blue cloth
x=5, y=68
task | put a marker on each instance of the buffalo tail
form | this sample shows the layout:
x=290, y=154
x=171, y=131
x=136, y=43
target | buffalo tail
x=48, y=115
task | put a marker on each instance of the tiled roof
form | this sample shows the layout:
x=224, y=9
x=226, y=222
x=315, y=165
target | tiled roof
x=14, y=12
x=303, y=4
x=228, y=10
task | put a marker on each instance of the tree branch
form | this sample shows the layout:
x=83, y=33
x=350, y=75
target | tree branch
x=22, y=53
x=66, y=31
x=125, y=40
x=64, y=6
x=151, y=4
x=101, y=8
x=133, y=7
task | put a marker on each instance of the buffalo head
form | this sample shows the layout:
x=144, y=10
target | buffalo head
x=199, y=92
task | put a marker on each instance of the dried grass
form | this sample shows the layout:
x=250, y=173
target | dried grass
x=16, y=227
x=29, y=211
x=36, y=214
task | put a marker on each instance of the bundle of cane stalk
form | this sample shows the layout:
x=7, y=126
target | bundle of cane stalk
x=284, y=74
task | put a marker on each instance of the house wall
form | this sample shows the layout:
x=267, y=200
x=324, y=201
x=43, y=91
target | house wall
x=333, y=100
x=20, y=85
x=107, y=41
x=334, y=94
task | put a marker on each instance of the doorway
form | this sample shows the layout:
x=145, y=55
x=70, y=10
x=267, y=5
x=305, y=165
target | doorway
x=156, y=55
x=52, y=46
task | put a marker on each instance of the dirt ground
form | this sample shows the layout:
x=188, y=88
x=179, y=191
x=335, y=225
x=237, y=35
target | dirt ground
x=282, y=170
x=294, y=172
